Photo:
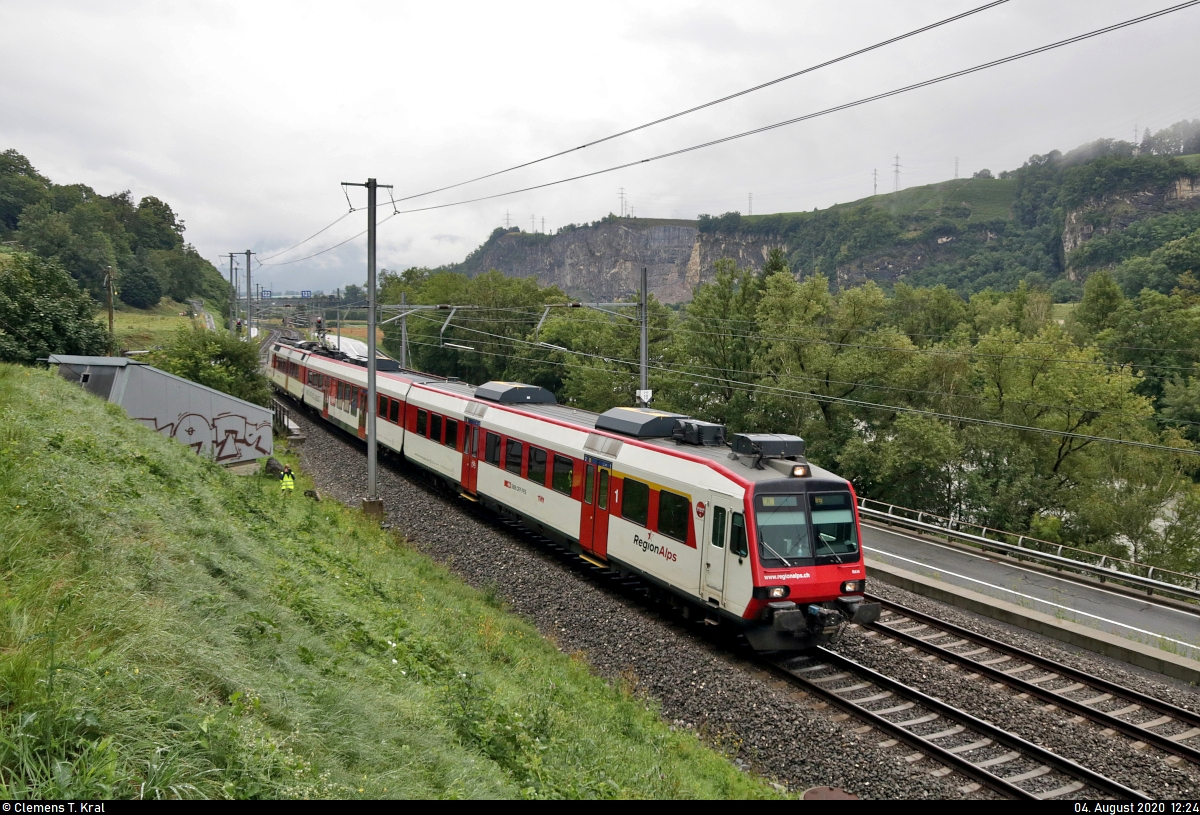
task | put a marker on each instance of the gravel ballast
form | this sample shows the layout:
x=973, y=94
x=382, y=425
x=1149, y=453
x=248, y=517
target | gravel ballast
x=761, y=722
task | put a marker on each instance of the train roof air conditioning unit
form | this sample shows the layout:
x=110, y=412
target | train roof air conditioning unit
x=761, y=446
x=515, y=393
x=641, y=423
x=694, y=431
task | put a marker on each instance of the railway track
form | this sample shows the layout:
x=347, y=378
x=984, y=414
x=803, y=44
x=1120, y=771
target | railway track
x=1144, y=718
x=990, y=756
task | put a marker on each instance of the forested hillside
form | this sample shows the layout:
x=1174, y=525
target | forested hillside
x=89, y=233
x=1034, y=223
x=991, y=408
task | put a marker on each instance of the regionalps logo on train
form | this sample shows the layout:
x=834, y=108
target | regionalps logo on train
x=654, y=549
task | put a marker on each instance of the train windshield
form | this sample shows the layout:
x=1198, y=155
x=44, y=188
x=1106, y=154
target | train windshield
x=833, y=527
x=783, y=538
x=798, y=530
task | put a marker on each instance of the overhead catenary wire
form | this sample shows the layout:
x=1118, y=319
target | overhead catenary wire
x=535, y=313
x=306, y=240
x=809, y=396
x=867, y=385
x=827, y=111
x=718, y=101
x=723, y=379
x=918, y=350
x=343, y=243
x=766, y=128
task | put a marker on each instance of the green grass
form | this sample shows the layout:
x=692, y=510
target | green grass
x=169, y=629
x=1192, y=161
x=142, y=329
x=987, y=199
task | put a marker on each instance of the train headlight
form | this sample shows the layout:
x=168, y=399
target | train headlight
x=852, y=586
x=777, y=592
x=800, y=471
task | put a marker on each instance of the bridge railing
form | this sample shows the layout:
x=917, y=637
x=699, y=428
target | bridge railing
x=1023, y=547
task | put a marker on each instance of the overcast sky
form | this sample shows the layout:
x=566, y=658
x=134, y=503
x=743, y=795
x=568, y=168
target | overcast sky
x=247, y=116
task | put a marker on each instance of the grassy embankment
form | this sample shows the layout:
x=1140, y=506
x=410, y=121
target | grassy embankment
x=170, y=629
x=143, y=329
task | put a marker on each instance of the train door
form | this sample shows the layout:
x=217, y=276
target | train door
x=588, y=509
x=716, y=547
x=361, y=397
x=602, y=495
x=327, y=385
x=470, y=471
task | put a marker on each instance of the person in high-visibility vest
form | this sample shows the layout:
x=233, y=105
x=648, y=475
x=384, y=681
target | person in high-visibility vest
x=288, y=480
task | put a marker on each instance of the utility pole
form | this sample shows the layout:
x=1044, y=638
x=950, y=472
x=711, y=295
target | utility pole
x=108, y=283
x=339, y=318
x=507, y=220
x=750, y=206
x=643, y=393
x=956, y=167
x=621, y=197
x=372, y=505
x=543, y=224
x=249, y=301
x=232, y=297
x=875, y=180
x=896, y=187
x=403, y=332
x=533, y=223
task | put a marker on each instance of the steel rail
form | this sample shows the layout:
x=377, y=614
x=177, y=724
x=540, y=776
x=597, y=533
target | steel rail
x=941, y=754
x=1159, y=740
x=1057, y=561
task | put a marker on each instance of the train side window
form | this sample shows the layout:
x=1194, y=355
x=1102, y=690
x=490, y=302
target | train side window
x=422, y=421
x=604, y=489
x=512, y=456
x=394, y=414
x=589, y=481
x=492, y=449
x=718, y=527
x=383, y=405
x=537, y=466
x=451, y=433
x=674, y=510
x=354, y=401
x=435, y=426
x=737, y=541
x=564, y=469
x=636, y=506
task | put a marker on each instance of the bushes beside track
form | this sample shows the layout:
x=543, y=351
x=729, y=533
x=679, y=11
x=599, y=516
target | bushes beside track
x=169, y=629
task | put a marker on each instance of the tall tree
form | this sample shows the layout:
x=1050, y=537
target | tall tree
x=43, y=312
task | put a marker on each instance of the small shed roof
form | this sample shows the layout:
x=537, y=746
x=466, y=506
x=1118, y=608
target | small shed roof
x=100, y=362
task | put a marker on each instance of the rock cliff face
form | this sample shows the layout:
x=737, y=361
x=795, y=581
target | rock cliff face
x=1112, y=213
x=603, y=262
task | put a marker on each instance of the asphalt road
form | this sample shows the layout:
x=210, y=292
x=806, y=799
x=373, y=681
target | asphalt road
x=1120, y=614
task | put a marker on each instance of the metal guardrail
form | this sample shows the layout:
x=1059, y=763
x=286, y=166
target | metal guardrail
x=283, y=423
x=1140, y=575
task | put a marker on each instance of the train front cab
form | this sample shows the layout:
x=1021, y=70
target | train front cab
x=809, y=575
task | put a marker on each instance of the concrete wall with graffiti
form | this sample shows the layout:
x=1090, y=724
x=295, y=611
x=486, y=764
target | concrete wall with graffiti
x=214, y=424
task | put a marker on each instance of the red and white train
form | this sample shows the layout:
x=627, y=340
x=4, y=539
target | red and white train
x=750, y=533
